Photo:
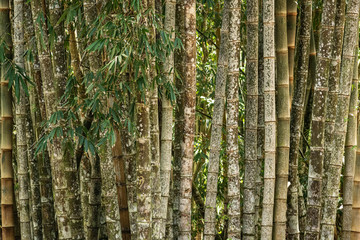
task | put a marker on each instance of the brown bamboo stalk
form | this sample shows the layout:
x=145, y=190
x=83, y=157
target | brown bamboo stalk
x=185, y=60
x=7, y=174
x=120, y=171
x=291, y=9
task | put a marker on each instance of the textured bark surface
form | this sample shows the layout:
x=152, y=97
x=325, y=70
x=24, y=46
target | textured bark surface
x=143, y=168
x=131, y=176
x=58, y=51
x=186, y=22
x=21, y=146
x=283, y=120
x=260, y=125
x=251, y=119
x=109, y=193
x=33, y=163
x=216, y=129
x=155, y=163
x=342, y=108
x=232, y=116
x=269, y=118
x=331, y=167
x=350, y=155
x=347, y=67
x=297, y=113
x=167, y=121
x=43, y=222
x=318, y=121
x=7, y=174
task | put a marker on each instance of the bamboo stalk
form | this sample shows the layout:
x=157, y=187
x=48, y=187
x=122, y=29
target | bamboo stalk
x=350, y=155
x=21, y=146
x=167, y=121
x=251, y=120
x=283, y=120
x=318, y=122
x=297, y=112
x=216, y=130
x=7, y=174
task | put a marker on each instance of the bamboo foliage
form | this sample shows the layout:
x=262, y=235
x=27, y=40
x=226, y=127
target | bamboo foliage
x=156, y=85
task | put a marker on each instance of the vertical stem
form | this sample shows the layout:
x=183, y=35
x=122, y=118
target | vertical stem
x=291, y=7
x=7, y=174
x=216, y=129
x=120, y=171
x=332, y=170
x=355, y=227
x=318, y=121
x=167, y=121
x=186, y=23
x=283, y=120
x=297, y=112
x=21, y=146
x=232, y=116
x=251, y=119
x=269, y=118
x=350, y=155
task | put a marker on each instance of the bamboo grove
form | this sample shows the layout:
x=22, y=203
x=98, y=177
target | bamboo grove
x=179, y=119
